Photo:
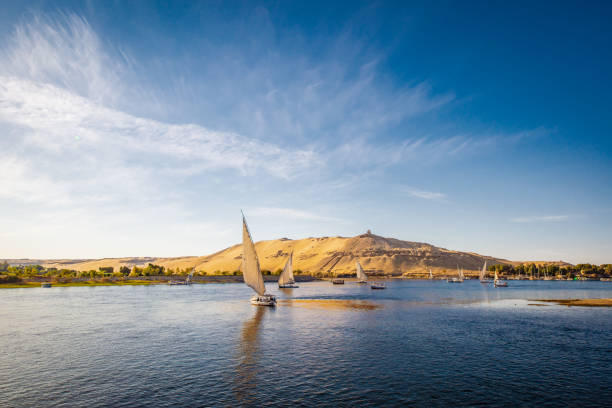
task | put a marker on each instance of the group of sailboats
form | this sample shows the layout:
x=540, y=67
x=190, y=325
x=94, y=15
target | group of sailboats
x=251, y=272
x=362, y=278
x=498, y=283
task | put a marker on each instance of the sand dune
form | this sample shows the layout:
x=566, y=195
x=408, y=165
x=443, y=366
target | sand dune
x=327, y=256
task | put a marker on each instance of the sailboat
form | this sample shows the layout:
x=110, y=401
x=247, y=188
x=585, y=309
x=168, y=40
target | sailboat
x=361, y=276
x=483, y=273
x=499, y=283
x=185, y=282
x=430, y=274
x=286, y=279
x=250, y=270
x=459, y=279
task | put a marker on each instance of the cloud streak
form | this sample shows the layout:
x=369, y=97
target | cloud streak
x=541, y=218
x=425, y=195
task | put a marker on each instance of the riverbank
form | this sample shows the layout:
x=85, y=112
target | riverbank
x=141, y=280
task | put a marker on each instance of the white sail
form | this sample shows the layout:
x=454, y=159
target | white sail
x=496, y=278
x=483, y=272
x=250, y=263
x=286, y=276
x=430, y=274
x=360, y=273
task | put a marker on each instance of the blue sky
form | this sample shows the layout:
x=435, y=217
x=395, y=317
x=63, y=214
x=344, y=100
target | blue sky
x=142, y=129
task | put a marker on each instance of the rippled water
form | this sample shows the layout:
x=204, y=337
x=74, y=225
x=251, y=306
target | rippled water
x=421, y=344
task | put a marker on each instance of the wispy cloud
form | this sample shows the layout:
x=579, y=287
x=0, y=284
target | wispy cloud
x=541, y=218
x=426, y=195
x=290, y=213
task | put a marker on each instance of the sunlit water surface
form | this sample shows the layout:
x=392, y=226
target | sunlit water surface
x=418, y=343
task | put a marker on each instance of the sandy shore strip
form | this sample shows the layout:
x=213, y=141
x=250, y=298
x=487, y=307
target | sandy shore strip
x=576, y=302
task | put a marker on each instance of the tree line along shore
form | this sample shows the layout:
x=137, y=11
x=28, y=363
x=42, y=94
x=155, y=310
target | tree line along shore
x=25, y=275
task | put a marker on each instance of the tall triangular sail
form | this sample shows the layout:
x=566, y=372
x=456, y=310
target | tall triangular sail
x=361, y=276
x=430, y=274
x=483, y=271
x=250, y=263
x=286, y=276
x=496, y=278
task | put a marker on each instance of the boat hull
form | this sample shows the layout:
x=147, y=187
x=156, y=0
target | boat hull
x=338, y=281
x=264, y=300
x=378, y=286
x=501, y=284
x=288, y=286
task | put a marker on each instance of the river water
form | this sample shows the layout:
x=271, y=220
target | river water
x=417, y=343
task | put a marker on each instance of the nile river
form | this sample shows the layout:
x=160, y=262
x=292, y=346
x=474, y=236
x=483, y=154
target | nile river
x=418, y=343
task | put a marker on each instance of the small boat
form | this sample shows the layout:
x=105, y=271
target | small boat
x=337, y=281
x=185, y=282
x=45, y=285
x=430, y=274
x=361, y=276
x=286, y=279
x=482, y=276
x=459, y=279
x=499, y=283
x=250, y=270
x=378, y=285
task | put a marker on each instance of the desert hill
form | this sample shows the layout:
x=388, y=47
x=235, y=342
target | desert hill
x=326, y=256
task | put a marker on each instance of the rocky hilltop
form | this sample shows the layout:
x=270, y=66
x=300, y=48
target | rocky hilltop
x=324, y=256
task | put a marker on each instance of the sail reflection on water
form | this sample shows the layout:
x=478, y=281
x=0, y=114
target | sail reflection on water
x=245, y=386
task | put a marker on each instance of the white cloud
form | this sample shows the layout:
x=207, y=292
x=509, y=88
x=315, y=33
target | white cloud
x=426, y=195
x=541, y=218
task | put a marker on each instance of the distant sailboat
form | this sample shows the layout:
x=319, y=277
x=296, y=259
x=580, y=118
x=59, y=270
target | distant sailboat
x=250, y=270
x=458, y=279
x=361, y=276
x=286, y=279
x=430, y=274
x=499, y=283
x=185, y=282
x=483, y=273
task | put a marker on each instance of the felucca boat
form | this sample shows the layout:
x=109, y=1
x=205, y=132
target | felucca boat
x=250, y=270
x=361, y=276
x=482, y=276
x=499, y=283
x=187, y=281
x=286, y=279
x=458, y=279
x=430, y=274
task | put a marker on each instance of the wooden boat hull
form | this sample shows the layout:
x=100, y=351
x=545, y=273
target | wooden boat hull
x=501, y=284
x=378, y=286
x=338, y=281
x=264, y=300
x=288, y=286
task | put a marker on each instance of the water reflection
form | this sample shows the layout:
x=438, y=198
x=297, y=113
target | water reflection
x=245, y=387
x=331, y=304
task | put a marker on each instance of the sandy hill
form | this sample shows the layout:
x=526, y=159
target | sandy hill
x=327, y=255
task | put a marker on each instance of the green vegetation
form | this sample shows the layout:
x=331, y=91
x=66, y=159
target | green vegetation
x=531, y=270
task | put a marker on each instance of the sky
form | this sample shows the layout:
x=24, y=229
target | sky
x=143, y=128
